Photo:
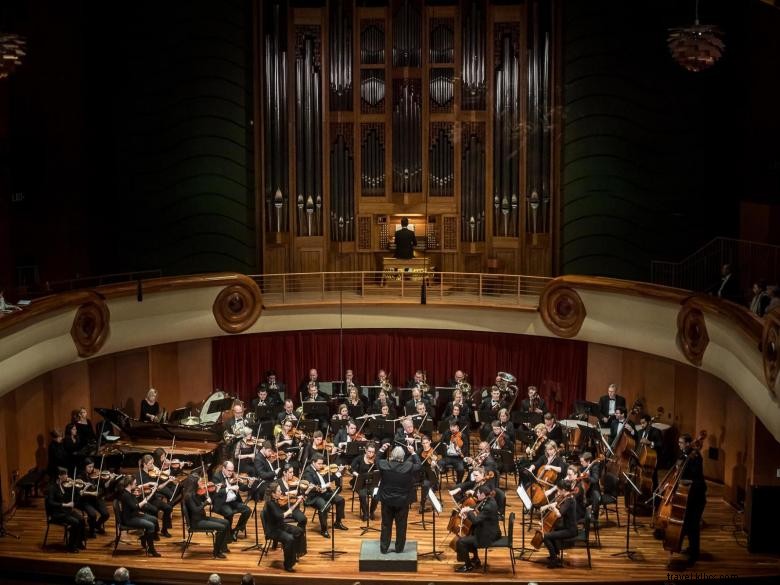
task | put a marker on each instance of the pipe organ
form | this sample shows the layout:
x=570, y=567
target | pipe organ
x=442, y=112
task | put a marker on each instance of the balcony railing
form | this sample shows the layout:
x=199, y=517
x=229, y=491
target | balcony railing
x=456, y=288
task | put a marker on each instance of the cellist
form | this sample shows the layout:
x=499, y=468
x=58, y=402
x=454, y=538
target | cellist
x=693, y=471
x=484, y=529
x=550, y=459
x=565, y=507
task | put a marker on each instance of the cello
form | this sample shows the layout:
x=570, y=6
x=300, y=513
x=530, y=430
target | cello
x=673, y=491
x=550, y=515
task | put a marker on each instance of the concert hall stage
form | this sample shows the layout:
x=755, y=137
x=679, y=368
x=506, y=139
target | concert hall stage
x=724, y=553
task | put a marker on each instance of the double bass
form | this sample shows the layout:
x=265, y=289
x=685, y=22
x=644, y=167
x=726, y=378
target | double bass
x=670, y=515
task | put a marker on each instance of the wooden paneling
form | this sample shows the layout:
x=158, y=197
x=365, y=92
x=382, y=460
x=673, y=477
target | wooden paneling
x=70, y=391
x=132, y=380
x=605, y=366
x=194, y=371
x=309, y=259
x=164, y=374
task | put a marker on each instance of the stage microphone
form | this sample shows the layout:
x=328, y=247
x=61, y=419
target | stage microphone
x=139, y=295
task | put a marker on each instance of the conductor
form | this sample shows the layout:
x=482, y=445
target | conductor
x=405, y=241
x=396, y=492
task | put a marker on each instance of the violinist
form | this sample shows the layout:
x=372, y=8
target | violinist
x=502, y=433
x=318, y=446
x=693, y=472
x=484, y=529
x=288, y=535
x=246, y=448
x=363, y=464
x=227, y=499
x=565, y=507
x=619, y=424
x=266, y=465
x=324, y=482
x=286, y=440
x=150, y=408
x=91, y=502
x=534, y=402
x=396, y=492
x=430, y=469
x=591, y=475
x=133, y=513
x=61, y=508
x=456, y=444
x=195, y=505
x=483, y=458
x=291, y=488
x=421, y=416
x=406, y=434
x=345, y=436
x=355, y=405
x=159, y=499
x=477, y=477
x=492, y=403
x=652, y=438
x=554, y=430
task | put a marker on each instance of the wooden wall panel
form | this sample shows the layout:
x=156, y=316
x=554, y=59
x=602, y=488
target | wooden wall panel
x=102, y=380
x=766, y=456
x=194, y=371
x=9, y=452
x=164, y=374
x=685, y=397
x=70, y=390
x=605, y=365
x=132, y=380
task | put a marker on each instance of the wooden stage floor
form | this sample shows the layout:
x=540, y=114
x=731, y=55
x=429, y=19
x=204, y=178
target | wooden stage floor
x=724, y=555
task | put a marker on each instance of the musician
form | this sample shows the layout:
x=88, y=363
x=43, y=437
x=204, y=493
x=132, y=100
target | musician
x=410, y=408
x=592, y=495
x=234, y=424
x=60, y=506
x=477, y=477
x=418, y=381
x=554, y=430
x=693, y=471
x=73, y=445
x=90, y=501
x=484, y=529
x=456, y=445
x=382, y=378
x=343, y=437
x=565, y=527
x=227, y=499
x=246, y=449
x=459, y=401
x=313, y=395
x=313, y=378
x=349, y=381
x=289, y=535
x=549, y=460
x=651, y=437
x=406, y=434
x=534, y=402
x=608, y=403
x=266, y=463
x=430, y=469
x=493, y=403
x=619, y=424
x=322, y=492
x=355, y=405
x=365, y=463
x=290, y=488
x=263, y=399
x=405, y=241
x=161, y=495
x=483, y=458
x=318, y=446
x=134, y=515
x=274, y=387
x=150, y=408
x=508, y=428
x=383, y=400
x=500, y=440
x=288, y=412
x=194, y=505
x=58, y=456
x=86, y=433
x=457, y=379
x=396, y=492
x=533, y=452
x=286, y=440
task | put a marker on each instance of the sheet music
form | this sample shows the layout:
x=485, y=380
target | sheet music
x=524, y=497
x=434, y=501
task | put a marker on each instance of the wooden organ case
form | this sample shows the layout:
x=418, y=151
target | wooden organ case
x=369, y=111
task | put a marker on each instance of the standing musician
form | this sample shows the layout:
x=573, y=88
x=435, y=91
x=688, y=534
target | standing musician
x=565, y=507
x=150, y=408
x=288, y=412
x=396, y=492
x=355, y=405
x=457, y=445
x=160, y=494
x=277, y=508
x=619, y=424
x=313, y=378
x=73, y=445
x=290, y=488
x=591, y=469
x=697, y=495
x=484, y=529
x=608, y=403
x=324, y=482
x=651, y=437
x=492, y=403
x=133, y=514
x=554, y=430
x=61, y=507
x=365, y=463
x=534, y=402
x=274, y=387
x=86, y=433
x=91, y=502
x=227, y=499
x=194, y=504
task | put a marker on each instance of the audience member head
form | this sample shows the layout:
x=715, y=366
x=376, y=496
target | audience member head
x=84, y=576
x=121, y=575
x=214, y=579
x=248, y=579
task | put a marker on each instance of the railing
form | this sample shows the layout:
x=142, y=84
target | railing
x=701, y=270
x=404, y=287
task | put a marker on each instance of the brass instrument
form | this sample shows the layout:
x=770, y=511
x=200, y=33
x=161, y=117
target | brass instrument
x=463, y=385
x=386, y=385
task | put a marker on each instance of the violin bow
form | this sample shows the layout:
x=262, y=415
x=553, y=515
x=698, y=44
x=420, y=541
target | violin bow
x=100, y=473
x=73, y=489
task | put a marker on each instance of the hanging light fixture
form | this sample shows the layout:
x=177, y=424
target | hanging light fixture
x=696, y=47
x=12, y=49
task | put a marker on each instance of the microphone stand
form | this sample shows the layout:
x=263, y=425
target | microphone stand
x=332, y=553
x=631, y=490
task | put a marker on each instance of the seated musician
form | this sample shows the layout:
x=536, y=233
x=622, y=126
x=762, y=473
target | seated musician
x=554, y=430
x=500, y=440
x=536, y=449
x=150, y=408
x=483, y=458
x=195, y=505
x=492, y=403
x=550, y=459
x=383, y=400
x=159, y=501
x=290, y=488
x=410, y=408
x=342, y=439
x=287, y=441
x=607, y=405
x=313, y=395
x=266, y=463
x=234, y=424
x=422, y=415
x=534, y=402
x=288, y=412
x=92, y=502
x=318, y=445
x=477, y=477
x=407, y=435
x=349, y=381
x=342, y=413
x=456, y=446
x=227, y=499
x=591, y=469
x=134, y=512
x=263, y=399
x=484, y=529
x=355, y=405
x=274, y=388
x=458, y=401
x=458, y=378
x=430, y=469
x=565, y=528
x=246, y=449
x=313, y=378
x=324, y=484
x=385, y=435
x=61, y=507
x=418, y=381
x=652, y=438
x=620, y=424
x=289, y=536
x=456, y=412
x=363, y=464
x=382, y=378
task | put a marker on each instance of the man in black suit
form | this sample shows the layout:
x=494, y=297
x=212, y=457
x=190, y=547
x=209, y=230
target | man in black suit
x=693, y=471
x=405, y=241
x=324, y=484
x=620, y=424
x=227, y=499
x=608, y=403
x=485, y=530
x=410, y=408
x=534, y=402
x=304, y=385
x=396, y=492
x=728, y=286
x=650, y=437
x=274, y=388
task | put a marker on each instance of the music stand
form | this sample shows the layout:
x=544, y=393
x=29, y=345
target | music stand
x=332, y=553
x=263, y=412
x=404, y=395
x=354, y=449
x=266, y=429
x=443, y=393
x=336, y=424
x=316, y=409
x=427, y=427
x=370, y=481
x=256, y=545
x=337, y=389
x=370, y=392
x=219, y=405
x=485, y=416
x=308, y=426
x=437, y=508
x=527, y=507
x=529, y=419
x=631, y=492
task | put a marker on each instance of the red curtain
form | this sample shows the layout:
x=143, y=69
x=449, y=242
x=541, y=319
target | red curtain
x=557, y=366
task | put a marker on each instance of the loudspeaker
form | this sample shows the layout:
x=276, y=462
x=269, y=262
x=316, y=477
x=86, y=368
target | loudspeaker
x=762, y=516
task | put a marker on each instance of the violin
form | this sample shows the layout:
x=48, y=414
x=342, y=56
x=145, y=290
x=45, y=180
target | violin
x=359, y=437
x=277, y=456
x=78, y=483
x=457, y=439
x=177, y=464
x=105, y=475
x=206, y=487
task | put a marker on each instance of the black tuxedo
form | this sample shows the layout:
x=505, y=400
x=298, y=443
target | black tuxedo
x=396, y=492
x=317, y=499
x=405, y=241
x=228, y=509
x=604, y=407
x=410, y=408
x=485, y=529
x=525, y=405
x=613, y=431
x=290, y=536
